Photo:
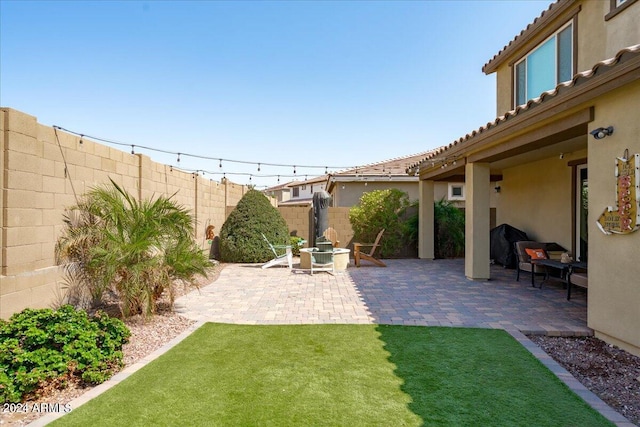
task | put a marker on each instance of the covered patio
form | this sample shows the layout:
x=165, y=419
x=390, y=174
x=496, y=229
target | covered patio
x=407, y=292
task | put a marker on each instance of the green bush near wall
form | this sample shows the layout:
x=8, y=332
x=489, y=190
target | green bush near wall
x=241, y=234
x=51, y=347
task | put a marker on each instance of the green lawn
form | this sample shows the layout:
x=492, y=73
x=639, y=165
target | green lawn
x=340, y=375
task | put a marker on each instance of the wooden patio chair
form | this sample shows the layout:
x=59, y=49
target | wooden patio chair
x=358, y=255
x=280, y=258
x=332, y=235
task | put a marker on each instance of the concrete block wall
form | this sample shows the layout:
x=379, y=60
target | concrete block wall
x=45, y=171
x=299, y=219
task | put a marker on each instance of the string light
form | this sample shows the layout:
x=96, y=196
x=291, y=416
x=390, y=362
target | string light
x=197, y=155
x=81, y=139
x=178, y=157
x=220, y=165
x=258, y=167
x=132, y=150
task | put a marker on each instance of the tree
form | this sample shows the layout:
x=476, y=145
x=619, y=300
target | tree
x=241, y=234
x=136, y=249
x=377, y=210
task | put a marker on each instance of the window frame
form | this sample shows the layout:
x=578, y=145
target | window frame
x=615, y=7
x=555, y=35
x=296, y=192
x=453, y=185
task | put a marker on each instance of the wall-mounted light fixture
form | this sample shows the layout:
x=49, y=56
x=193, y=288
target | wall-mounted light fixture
x=497, y=188
x=602, y=133
x=561, y=156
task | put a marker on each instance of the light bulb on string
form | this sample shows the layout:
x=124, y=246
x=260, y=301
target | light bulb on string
x=220, y=165
x=258, y=167
x=178, y=157
x=81, y=136
x=278, y=178
x=294, y=169
x=132, y=150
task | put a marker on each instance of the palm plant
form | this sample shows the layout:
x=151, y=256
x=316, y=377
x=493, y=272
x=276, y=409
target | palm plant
x=137, y=249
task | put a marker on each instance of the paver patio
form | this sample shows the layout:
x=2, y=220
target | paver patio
x=407, y=292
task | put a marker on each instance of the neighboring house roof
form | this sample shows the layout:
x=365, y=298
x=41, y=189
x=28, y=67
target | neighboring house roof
x=297, y=202
x=554, y=10
x=315, y=180
x=278, y=187
x=622, y=57
x=391, y=169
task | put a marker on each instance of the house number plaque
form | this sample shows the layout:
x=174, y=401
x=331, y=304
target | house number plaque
x=625, y=217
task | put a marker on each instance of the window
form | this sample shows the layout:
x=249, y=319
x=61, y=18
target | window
x=617, y=6
x=456, y=191
x=296, y=191
x=549, y=64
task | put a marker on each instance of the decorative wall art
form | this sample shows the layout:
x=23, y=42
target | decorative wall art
x=625, y=217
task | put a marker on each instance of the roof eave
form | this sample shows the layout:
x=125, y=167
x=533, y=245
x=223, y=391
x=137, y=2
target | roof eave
x=552, y=12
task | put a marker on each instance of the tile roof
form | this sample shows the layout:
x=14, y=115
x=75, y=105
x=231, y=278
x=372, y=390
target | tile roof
x=579, y=78
x=277, y=187
x=322, y=178
x=552, y=11
x=394, y=166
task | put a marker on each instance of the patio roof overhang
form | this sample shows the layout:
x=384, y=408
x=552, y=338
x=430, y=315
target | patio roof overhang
x=556, y=122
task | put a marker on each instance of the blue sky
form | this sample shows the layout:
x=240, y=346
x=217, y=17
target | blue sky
x=327, y=83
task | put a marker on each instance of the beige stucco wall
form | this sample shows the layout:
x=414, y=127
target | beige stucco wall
x=614, y=270
x=37, y=187
x=597, y=40
x=536, y=198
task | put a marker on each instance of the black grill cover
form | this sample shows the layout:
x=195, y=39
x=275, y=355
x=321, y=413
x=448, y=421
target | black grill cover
x=502, y=241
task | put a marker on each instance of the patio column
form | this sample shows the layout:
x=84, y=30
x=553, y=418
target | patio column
x=477, y=221
x=426, y=220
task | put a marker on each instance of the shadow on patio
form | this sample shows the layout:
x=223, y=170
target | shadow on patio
x=436, y=293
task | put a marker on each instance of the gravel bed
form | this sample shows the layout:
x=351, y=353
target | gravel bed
x=147, y=335
x=608, y=371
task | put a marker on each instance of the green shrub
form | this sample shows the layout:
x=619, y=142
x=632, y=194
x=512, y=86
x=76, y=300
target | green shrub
x=137, y=249
x=241, y=234
x=43, y=346
x=296, y=244
x=377, y=210
x=449, y=230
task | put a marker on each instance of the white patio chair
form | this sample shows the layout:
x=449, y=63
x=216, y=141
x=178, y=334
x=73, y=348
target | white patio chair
x=280, y=258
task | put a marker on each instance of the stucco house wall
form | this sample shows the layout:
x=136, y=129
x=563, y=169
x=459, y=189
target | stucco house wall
x=539, y=203
x=614, y=268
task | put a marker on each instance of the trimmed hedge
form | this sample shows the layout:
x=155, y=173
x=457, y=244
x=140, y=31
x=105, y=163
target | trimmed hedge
x=241, y=234
x=45, y=346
